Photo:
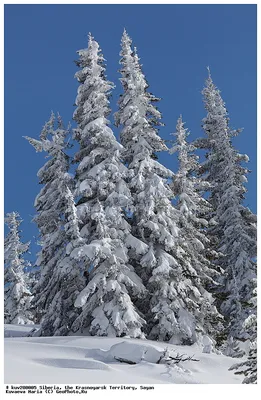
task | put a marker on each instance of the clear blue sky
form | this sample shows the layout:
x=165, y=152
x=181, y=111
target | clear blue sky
x=175, y=44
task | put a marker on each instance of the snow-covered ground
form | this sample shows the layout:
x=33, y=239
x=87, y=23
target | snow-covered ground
x=81, y=359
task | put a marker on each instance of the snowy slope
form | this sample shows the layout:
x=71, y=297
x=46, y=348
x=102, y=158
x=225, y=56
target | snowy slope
x=78, y=359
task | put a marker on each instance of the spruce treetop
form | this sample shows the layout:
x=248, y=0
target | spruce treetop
x=137, y=112
x=14, y=248
x=92, y=100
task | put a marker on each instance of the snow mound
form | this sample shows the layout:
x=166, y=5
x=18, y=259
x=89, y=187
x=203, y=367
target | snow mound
x=135, y=352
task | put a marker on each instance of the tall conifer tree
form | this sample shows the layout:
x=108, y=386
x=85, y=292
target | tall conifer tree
x=169, y=310
x=106, y=302
x=233, y=232
x=67, y=275
x=188, y=188
x=60, y=280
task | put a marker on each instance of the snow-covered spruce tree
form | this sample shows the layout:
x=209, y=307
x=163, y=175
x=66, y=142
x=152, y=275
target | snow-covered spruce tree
x=106, y=302
x=168, y=308
x=188, y=188
x=67, y=276
x=51, y=204
x=233, y=233
x=139, y=134
x=17, y=295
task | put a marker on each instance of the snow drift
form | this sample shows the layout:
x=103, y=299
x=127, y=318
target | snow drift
x=93, y=360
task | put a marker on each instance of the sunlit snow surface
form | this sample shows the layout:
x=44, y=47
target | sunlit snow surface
x=85, y=359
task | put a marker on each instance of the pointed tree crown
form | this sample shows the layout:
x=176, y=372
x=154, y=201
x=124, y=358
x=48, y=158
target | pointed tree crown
x=92, y=100
x=137, y=113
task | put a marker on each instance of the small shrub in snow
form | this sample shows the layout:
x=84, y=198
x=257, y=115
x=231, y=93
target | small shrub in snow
x=17, y=295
